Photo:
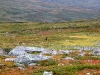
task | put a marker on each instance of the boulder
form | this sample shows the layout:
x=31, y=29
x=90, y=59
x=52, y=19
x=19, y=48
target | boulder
x=47, y=73
x=32, y=64
x=88, y=74
x=55, y=52
x=27, y=59
x=46, y=52
x=64, y=51
x=20, y=50
x=69, y=58
x=9, y=59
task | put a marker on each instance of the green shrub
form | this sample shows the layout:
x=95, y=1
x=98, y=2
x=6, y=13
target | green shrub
x=7, y=49
x=69, y=70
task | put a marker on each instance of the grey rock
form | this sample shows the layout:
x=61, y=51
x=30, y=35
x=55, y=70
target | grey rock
x=2, y=52
x=20, y=50
x=10, y=59
x=69, y=58
x=55, y=52
x=47, y=73
x=29, y=58
x=64, y=51
x=32, y=64
x=46, y=52
x=19, y=64
x=88, y=74
x=96, y=51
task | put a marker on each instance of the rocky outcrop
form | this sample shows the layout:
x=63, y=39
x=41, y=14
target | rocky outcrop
x=25, y=55
x=27, y=59
x=20, y=50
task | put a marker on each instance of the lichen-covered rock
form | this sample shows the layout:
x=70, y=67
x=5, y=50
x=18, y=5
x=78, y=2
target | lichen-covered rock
x=27, y=59
x=20, y=50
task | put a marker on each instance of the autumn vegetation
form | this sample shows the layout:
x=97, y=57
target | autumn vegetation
x=60, y=36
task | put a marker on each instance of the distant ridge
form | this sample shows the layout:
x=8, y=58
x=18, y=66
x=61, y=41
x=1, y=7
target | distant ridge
x=48, y=10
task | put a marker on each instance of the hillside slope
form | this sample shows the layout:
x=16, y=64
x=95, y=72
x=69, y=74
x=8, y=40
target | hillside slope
x=79, y=3
x=48, y=10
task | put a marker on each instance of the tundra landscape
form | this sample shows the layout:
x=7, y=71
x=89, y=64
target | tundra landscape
x=64, y=48
x=49, y=37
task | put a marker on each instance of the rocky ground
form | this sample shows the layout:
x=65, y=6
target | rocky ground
x=23, y=60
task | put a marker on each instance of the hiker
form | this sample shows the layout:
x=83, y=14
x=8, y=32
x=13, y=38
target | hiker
x=46, y=38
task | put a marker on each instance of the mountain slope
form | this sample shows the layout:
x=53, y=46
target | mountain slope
x=48, y=10
x=79, y=3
